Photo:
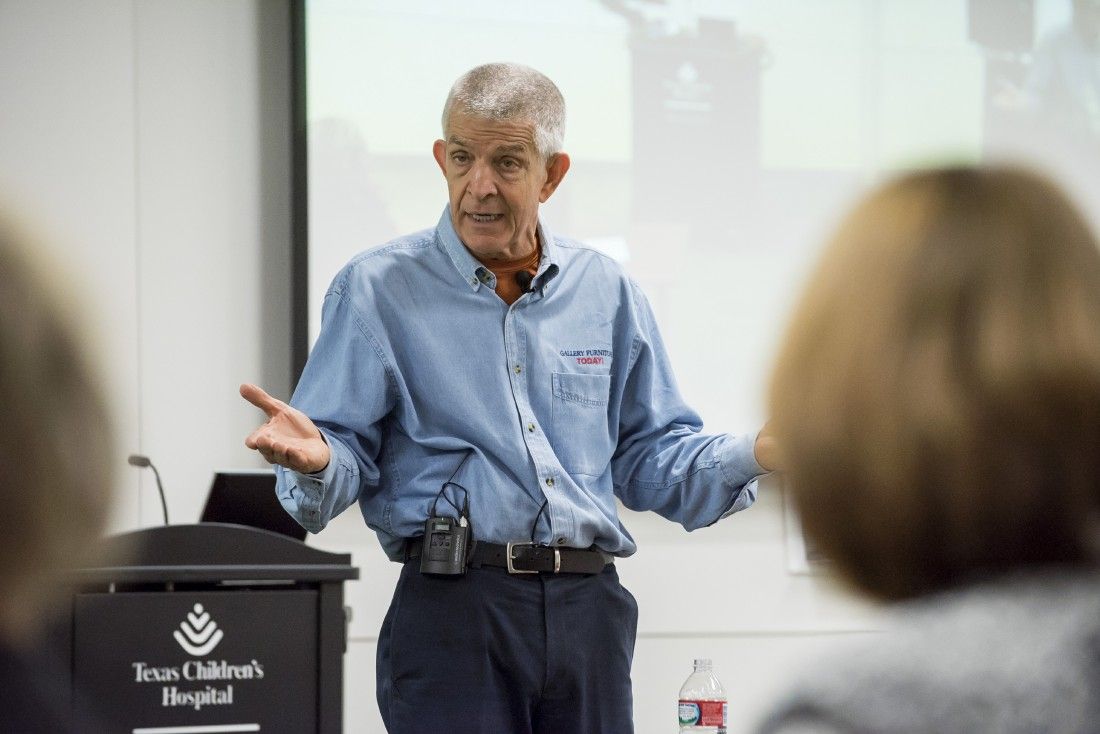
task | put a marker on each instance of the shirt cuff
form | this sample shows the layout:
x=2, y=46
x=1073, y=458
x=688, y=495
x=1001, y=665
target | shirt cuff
x=741, y=472
x=738, y=460
x=314, y=483
x=742, y=498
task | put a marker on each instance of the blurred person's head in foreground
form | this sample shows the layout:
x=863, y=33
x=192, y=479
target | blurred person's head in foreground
x=55, y=440
x=937, y=398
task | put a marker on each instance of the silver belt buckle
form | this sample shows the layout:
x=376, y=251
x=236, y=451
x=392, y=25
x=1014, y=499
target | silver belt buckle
x=509, y=558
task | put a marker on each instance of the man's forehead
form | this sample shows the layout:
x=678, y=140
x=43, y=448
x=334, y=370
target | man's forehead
x=504, y=135
x=501, y=147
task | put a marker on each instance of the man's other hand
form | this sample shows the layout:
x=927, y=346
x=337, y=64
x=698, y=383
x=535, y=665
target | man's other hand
x=766, y=448
x=288, y=438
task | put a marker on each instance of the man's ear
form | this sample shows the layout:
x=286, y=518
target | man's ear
x=556, y=169
x=439, y=151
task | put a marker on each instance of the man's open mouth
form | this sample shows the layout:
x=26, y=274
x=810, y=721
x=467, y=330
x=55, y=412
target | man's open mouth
x=484, y=218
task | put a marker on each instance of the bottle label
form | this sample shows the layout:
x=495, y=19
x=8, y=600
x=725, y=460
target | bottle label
x=703, y=713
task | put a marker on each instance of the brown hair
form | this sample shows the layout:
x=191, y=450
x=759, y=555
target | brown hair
x=55, y=440
x=937, y=398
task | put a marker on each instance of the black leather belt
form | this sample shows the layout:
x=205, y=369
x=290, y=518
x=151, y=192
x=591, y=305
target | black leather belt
x=527, y=557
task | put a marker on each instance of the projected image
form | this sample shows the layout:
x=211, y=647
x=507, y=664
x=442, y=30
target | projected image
x=713, y=143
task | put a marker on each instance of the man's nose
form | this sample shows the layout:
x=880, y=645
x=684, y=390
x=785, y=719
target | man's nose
x=482, y=184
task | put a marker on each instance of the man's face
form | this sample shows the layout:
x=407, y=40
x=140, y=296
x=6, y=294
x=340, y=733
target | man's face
x=496, y=180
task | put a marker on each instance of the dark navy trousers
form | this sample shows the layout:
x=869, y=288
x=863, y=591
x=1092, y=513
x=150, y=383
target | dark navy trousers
x=493, y=653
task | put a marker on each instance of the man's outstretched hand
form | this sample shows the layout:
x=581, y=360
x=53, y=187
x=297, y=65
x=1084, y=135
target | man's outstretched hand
x=288, y=438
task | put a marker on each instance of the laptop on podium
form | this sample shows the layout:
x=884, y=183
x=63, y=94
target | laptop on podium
x=248, y=498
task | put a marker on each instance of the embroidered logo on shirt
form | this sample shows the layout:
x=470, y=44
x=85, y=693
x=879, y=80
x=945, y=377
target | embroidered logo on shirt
x=587, y=356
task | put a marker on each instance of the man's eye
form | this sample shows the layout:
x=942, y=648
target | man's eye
x=509, y=164
x=460, y=158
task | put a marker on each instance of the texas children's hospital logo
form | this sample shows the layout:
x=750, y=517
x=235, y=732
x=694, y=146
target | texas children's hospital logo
x=197, y=634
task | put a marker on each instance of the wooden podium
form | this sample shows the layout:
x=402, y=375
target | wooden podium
x=211, y=628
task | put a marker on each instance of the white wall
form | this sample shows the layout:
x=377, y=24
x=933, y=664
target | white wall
x=67, y=159
x=149, y=141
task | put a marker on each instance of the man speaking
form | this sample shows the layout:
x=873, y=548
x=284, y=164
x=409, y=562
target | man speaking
x=484, y=390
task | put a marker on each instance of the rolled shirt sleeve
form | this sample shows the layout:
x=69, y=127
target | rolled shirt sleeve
x=345, y=389
x=664, y=462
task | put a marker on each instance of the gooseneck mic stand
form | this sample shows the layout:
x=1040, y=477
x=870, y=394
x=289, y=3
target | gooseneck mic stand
x=143, y=461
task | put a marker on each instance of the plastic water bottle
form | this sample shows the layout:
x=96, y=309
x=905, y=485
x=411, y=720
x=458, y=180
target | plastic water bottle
x=702, y=702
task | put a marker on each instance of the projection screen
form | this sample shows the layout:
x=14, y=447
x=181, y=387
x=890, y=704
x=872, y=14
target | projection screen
x=714, y=144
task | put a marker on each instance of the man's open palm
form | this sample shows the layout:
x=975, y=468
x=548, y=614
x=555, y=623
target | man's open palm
x=288, y=438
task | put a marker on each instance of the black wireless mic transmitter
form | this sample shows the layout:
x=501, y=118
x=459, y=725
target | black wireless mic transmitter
x=446, y=542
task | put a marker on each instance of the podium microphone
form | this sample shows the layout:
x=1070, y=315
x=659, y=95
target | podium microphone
x=143, y=461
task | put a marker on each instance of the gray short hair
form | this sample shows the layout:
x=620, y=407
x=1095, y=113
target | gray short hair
x=512, y=92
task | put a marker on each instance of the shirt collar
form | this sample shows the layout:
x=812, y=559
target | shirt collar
x=474, y=273
x=466, y=264
x=548, y=265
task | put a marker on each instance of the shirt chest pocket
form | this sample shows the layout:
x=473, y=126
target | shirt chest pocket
x=581, y=438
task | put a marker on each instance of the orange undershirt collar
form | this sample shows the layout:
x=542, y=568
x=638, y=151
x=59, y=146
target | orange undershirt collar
x=505, y=271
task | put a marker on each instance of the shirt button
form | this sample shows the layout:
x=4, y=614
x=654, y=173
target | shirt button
x=561, y=541
x=530, y=427
x=549, y=481
x=473, y=281
x=517, y=369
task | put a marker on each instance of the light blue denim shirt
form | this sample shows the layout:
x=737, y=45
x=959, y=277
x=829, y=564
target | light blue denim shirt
x=565, y=398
